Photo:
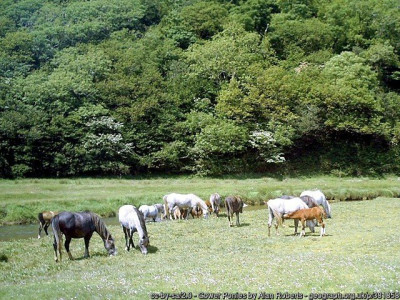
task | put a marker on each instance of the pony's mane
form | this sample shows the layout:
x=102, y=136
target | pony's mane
x=141, y=220
x=100, y=225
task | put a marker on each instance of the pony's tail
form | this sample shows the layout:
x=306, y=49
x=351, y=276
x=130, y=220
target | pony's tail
x=323, y=213
x=277, y=216
x=57, y=237
x=166, y=208
x=328, y=210
x=41, y=219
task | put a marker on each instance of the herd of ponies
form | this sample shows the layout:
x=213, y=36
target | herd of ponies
x=306, y=208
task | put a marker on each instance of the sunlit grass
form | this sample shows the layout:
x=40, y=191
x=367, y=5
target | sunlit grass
x=359, y=253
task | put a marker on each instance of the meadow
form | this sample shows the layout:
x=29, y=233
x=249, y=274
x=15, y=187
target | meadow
x=22, y=199
x=359, y=254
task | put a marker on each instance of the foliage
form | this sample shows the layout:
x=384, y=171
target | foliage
x=208, y=87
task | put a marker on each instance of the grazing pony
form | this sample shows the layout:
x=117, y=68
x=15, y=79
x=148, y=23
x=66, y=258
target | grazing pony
x=320, y=199
x=233, y=204
x=279, y=207
x=309, y=214
x=196, y=212
x=209, y=206
x=45, y=220
x=132, y=220
x=184, y=201
x=286, y=197
x=178, y=214
x=215, y=200
x=309, y=201
x=152, y=211
x=79, y=225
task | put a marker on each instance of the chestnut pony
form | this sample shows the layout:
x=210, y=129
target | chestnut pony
x=308, y=214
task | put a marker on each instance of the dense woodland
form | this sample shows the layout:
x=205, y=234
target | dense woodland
x=115, y=87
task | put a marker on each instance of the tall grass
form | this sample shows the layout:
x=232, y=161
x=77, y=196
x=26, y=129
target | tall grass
x=22, y=199
x=359, y=254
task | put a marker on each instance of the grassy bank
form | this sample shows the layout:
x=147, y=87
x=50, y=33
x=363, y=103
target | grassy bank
x=21, y=200
x=359, y=254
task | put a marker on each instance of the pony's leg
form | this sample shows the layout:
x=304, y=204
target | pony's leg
x=55, y=246
x=40, y=229
x=45, y=228
x=311, y=224
x=130, y=239
x=270, y=218
x=66, y=245
x=167, y=212
x=169, y=209
x=237, y=219
x=303, y=228
x=87, y=240
x=189, y=211
x=322, y=232
x=126, y=238
x=296, y=225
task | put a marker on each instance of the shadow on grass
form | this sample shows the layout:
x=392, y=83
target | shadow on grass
x=94, y=254
x=152, y=249
x=309, y=235
x=241, y=225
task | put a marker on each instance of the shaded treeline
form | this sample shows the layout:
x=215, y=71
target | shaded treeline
x=208, y=87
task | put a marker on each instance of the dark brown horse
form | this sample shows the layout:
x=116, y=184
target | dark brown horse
x=79, y=225
x=44, y=220
x=233, y=204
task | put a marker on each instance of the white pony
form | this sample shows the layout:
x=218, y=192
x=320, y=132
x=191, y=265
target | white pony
x=132, y=220
x=185, y=201
x=152, y=211
x=279, y=207
x=320, y=199
x=215, y=200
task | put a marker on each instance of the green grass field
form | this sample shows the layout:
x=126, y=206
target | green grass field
x=359, y=254
x=21, y=200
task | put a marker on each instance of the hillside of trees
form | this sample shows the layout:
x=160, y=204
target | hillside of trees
x=209, y=87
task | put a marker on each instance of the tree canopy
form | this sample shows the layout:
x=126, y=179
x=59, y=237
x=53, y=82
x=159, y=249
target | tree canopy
x=207, y=87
